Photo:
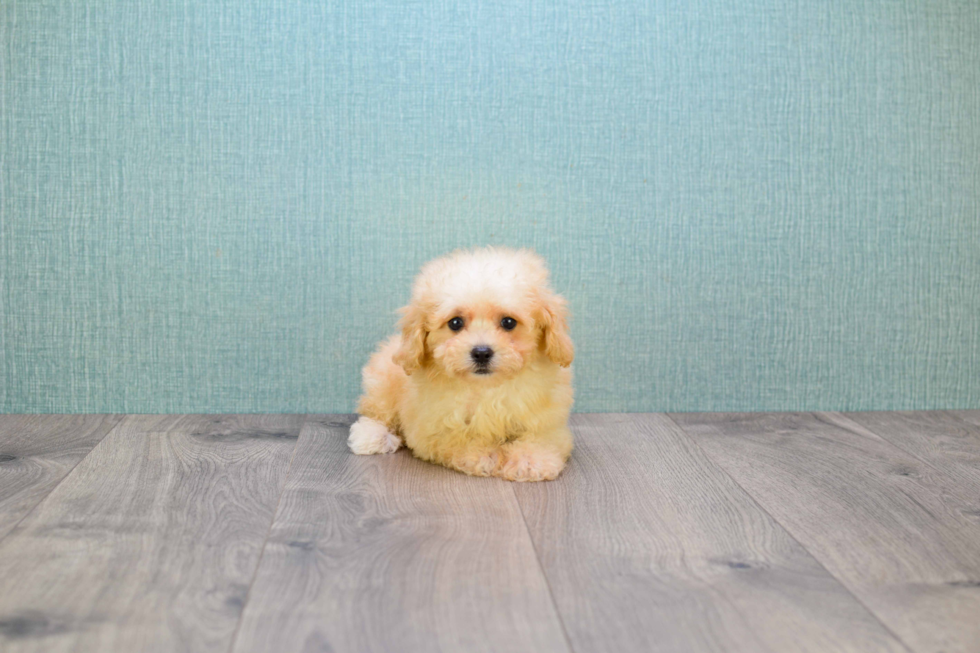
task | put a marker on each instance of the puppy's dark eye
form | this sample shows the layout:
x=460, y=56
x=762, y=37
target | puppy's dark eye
x=508, y=323
x=456, y=323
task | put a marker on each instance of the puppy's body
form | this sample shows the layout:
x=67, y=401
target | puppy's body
x=432, y=389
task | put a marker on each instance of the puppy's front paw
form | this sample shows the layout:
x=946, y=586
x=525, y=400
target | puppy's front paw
x=524, y=463
x=477, y=463
x=368, y=436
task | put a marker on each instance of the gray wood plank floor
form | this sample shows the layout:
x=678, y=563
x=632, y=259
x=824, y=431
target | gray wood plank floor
x=892, y=529
x=650, y=546
x=36, y=452
x=387, y=553
x=151, y=543
x=688, y=532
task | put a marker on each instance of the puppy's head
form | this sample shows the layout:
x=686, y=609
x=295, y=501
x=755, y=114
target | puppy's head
x=483, y=314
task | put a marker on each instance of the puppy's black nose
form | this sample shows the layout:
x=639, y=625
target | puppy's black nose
x=481, y=355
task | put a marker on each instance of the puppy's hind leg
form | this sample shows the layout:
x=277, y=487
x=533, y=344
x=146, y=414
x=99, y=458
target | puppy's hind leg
x=368, y=436
x=384, y=383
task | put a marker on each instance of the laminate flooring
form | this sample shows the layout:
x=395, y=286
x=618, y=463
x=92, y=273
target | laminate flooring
x=666, y=532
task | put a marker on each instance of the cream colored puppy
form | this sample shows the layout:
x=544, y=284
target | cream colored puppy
x=478, y=380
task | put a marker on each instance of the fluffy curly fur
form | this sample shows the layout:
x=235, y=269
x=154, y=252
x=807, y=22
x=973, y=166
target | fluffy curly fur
x=428, y=388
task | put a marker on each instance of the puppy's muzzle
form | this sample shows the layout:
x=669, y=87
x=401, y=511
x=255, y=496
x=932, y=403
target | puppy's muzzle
x=481, y=356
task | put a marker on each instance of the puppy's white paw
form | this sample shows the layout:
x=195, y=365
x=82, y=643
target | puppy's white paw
x=368, y=436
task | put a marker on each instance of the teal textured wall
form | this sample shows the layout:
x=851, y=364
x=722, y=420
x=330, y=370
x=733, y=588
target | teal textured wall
x=750, y=204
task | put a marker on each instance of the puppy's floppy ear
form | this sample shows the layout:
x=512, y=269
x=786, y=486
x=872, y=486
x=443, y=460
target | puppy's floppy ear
x=412, y=351
x=554, y=318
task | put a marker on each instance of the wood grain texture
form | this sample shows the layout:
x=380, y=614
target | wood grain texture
x=944, y=440
x=879, y=519
x=151, y=543
x=36, y=452
x=388, y=553
x=648, y=546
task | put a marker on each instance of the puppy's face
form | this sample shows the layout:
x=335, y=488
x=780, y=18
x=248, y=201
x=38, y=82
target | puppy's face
x=483, y=315
x=482, y=339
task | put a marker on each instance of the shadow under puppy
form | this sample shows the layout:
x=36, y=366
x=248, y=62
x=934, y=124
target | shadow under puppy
x=479, y=378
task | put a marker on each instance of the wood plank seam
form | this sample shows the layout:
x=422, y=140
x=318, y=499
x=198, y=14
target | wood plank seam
x=789, y=532
x=547, y=581
x=377, y=553
x=648, y=547
x=120, y=419
x=268, y=532
x=152, y=537
x=950, y=482
x=857, y=427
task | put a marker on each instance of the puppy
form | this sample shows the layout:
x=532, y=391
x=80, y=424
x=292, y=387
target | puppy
x=479, y=378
